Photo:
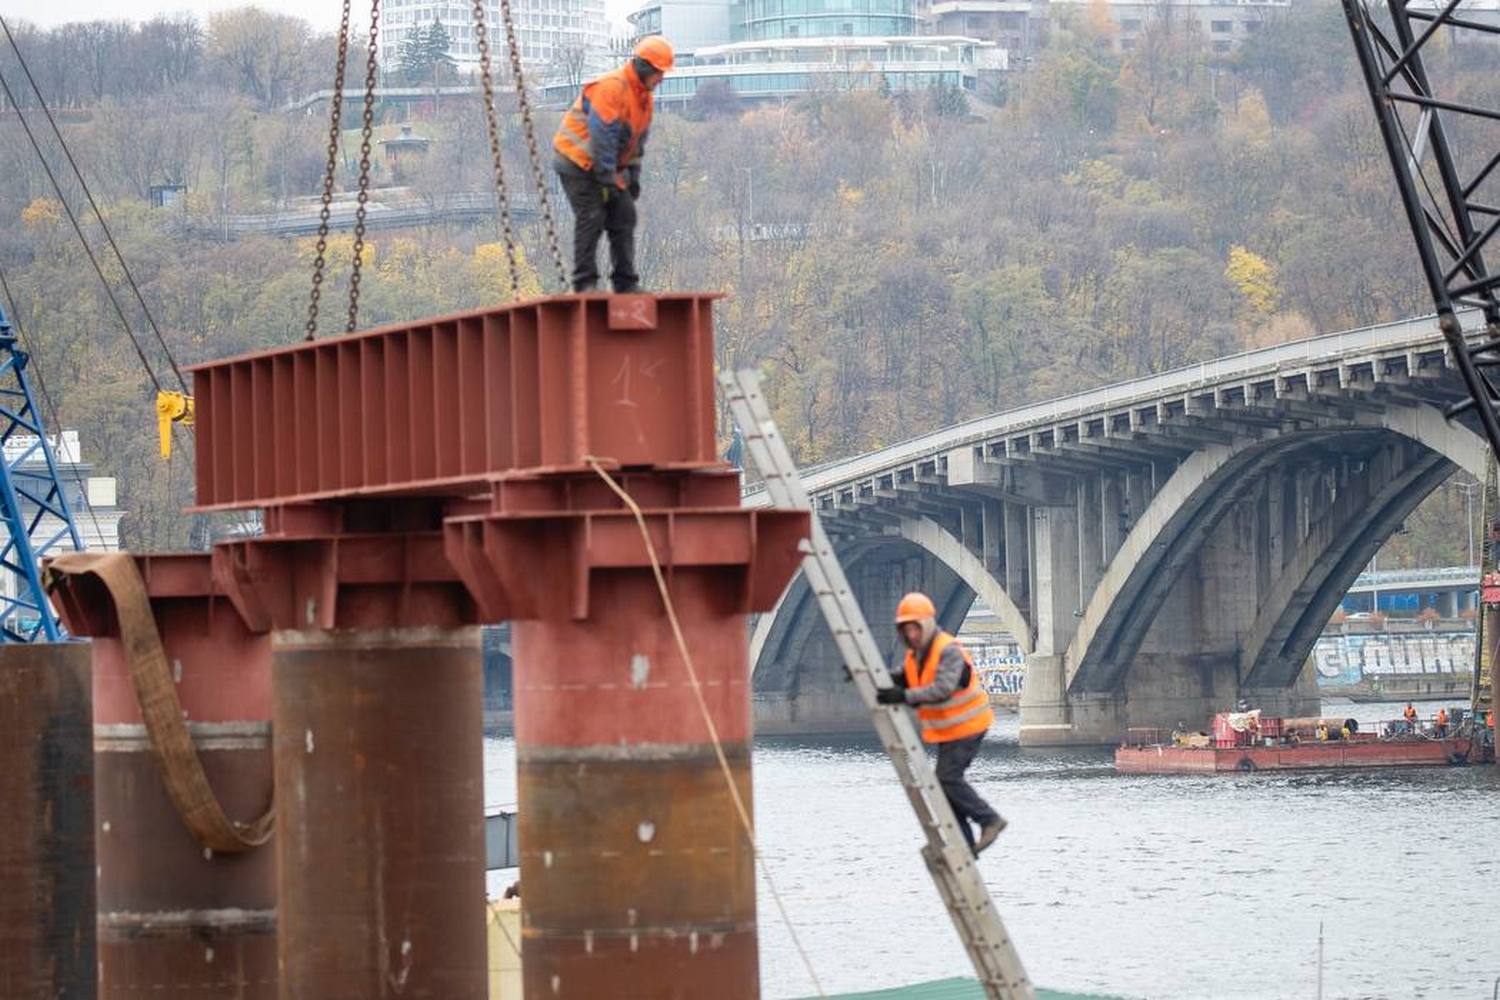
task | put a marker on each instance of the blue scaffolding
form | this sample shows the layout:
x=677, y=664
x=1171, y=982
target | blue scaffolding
x=38, y=519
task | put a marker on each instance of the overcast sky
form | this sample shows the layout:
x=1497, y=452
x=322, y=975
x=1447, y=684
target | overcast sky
x=322, y=13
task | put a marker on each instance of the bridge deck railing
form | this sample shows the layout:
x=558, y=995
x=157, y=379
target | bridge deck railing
x=1245, y=364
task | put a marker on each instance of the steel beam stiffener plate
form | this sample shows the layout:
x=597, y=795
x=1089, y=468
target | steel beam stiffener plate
x=442, y=406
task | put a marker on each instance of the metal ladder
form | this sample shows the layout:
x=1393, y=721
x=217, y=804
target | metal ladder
x=947, y=855
x=1489, y=596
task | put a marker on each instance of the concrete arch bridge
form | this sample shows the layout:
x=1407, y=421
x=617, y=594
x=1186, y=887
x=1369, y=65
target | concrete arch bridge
x=1158, y=548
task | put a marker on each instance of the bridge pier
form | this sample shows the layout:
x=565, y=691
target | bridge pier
x=1163, y=691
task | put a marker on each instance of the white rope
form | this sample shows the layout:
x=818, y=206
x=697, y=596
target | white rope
x=713, y=731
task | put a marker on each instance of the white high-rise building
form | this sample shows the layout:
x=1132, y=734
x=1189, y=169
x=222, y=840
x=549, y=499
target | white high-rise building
x=90, y=498
x=559, y=39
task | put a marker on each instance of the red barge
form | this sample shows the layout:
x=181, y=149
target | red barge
x=1245, y=741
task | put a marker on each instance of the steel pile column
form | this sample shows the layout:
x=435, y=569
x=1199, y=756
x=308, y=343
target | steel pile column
x=47, y=937
x=635, y=863
x=377, y=713
x=174, y=916
x=380, y=771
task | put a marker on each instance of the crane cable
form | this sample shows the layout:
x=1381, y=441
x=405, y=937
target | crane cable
x=528, y=129
x=492, y=127
x=523, y=104
x=41, y=385
x=335, y=119
x=109, y=236
x=330, y=169
x=367, y=126
x=88, y=251
x=173, y=407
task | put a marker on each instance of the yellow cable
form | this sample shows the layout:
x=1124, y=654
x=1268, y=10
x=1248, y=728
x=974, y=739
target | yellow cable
x=713, y=731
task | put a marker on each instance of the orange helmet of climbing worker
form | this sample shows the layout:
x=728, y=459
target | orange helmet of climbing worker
x=657, y=51
x=915, y=607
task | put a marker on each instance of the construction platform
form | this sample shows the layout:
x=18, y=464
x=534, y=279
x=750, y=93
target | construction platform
x=1161, y=759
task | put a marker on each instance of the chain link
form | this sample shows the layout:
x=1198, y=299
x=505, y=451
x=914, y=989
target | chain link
x=335, y=117
x=523, y=103
x=486, y=80
x=366, y=130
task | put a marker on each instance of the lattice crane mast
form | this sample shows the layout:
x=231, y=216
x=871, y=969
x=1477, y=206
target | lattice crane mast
x=1444, y=146
x=38, y=518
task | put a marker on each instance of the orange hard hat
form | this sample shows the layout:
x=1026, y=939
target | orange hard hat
x=657, y=51
x=915, y=607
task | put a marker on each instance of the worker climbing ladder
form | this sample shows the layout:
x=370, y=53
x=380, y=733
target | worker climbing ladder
x=948, y=857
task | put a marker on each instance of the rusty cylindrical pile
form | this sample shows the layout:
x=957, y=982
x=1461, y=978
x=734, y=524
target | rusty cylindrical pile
x=184, y=907
x=46, y=822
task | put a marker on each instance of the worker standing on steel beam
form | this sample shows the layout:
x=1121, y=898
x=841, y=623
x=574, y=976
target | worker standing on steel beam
x=938, y=679
x=599, y=145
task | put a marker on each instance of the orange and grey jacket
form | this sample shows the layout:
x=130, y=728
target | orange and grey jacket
x=605, y=130
x=945, y=690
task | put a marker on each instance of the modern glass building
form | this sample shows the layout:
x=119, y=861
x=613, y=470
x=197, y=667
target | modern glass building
x=766, y=50
x=786, y=68
x=688, y=24
x=769, y=20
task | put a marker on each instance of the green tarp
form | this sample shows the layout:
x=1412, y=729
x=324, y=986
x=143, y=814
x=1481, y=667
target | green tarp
x=953, y=989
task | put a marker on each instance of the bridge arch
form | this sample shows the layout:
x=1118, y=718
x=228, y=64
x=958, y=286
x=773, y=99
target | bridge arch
x=782, y=636
x=1193, y=501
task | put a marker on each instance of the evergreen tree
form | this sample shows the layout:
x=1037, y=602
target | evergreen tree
x=415, y=60
x=440, y=64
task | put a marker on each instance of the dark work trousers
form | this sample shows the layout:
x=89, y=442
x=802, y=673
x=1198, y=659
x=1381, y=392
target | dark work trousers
x=594, y=216
x=953, y=759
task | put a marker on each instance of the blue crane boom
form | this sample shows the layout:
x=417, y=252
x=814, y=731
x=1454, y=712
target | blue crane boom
x=38, y=518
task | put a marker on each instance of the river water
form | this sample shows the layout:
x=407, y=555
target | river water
x=1201, y=887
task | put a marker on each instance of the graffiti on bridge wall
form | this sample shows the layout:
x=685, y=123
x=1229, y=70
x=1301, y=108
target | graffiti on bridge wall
x=1348, y=659
x=1001, y=665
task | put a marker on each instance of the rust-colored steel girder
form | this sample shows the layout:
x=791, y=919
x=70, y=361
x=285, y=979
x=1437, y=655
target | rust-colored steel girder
x=47, y=936
x=444, y=405
x=174, y=916
x=421, y=477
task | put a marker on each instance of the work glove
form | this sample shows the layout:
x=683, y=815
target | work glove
x=635, y=190
x=604, y=192
x=890, y=696
x=633, y=181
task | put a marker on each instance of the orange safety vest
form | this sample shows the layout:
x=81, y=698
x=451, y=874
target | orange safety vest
x=966, y=712
x=618, y=102
x=1489, y=718
x=1410, y=713
x=1442, y=717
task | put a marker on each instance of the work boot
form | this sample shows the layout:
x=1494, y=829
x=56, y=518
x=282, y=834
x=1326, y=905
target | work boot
x=584, y=287
x=989, y=832
x=634, y=288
